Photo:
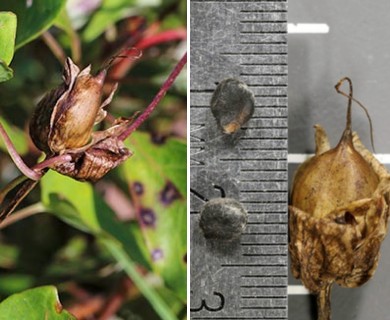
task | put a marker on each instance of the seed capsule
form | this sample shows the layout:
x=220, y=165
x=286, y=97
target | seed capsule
x=232, y=105
x=63, y=124
x=65, y=117
x=338, y=215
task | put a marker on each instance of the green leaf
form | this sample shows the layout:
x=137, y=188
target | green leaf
x=34, y=304
x=158, y=304
x=78, y=204
x=7, y=36
x=112, y=11
x=157, y=175
x=32, y=19
x=17, y=136
x=6, y=72
x=7, y=44
x=11, y=283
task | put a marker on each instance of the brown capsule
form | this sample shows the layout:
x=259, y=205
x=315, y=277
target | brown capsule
x=232, y=105
x=338, y=215
x=104, y=153
x=65, y=117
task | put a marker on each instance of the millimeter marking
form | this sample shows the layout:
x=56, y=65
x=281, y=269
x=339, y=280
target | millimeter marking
x=246, y=278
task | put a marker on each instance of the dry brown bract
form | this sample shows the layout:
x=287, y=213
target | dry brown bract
x=338, y=214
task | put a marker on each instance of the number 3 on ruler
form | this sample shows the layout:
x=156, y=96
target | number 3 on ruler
x=204, y=305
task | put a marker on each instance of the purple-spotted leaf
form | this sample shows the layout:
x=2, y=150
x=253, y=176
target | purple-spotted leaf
x=78, y=204
x=157, y=178
x=34, y=304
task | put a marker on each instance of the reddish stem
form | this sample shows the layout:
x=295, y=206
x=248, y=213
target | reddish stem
x=52, y=161
x=162, y=37
x=116, y=300
x=33, y=175
x=165, y=87
x=121, y=68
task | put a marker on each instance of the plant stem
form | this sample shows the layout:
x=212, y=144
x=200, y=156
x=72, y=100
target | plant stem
x=33, y=175
x=18, y=180
x=165, y=87
x=24, y=188
x=54, y=46
x=22, y=214
x=323, y=303
x=48, y=162
x=159, y=305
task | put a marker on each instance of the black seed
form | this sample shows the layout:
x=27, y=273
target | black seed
x=232, y=105
x=169, y=194
x=223, y=218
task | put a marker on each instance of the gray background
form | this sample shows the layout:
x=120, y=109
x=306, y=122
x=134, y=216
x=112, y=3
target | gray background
x=358, y=46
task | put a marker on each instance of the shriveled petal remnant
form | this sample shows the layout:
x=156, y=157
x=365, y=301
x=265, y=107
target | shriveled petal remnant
x=338, y=215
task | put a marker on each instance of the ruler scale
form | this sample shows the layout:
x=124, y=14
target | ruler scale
x=245, y=278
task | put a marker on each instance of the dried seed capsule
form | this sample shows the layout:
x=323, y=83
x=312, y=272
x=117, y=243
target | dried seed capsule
x=223, y=218
x=104, y=153
x=65, y=117
x=232, y=105
x=338, y=215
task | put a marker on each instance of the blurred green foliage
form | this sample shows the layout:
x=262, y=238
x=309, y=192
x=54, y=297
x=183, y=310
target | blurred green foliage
x=7, y=43
x=95, y=238
x=32, y=302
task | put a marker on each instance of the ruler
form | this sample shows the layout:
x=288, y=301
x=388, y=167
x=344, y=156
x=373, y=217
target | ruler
x=245, y=278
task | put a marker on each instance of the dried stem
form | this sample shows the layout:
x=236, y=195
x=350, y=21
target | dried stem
x=10, y=186
x=323, y=303
x=131, y=53
x=350, y=99
x=165, y=87
x=24, y=189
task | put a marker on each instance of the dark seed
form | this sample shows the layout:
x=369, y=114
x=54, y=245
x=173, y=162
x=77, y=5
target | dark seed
x=223, y=218
x=232, y=105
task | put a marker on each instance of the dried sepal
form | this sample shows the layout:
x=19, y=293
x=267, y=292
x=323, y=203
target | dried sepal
x=342, y=247
x=94, y=161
